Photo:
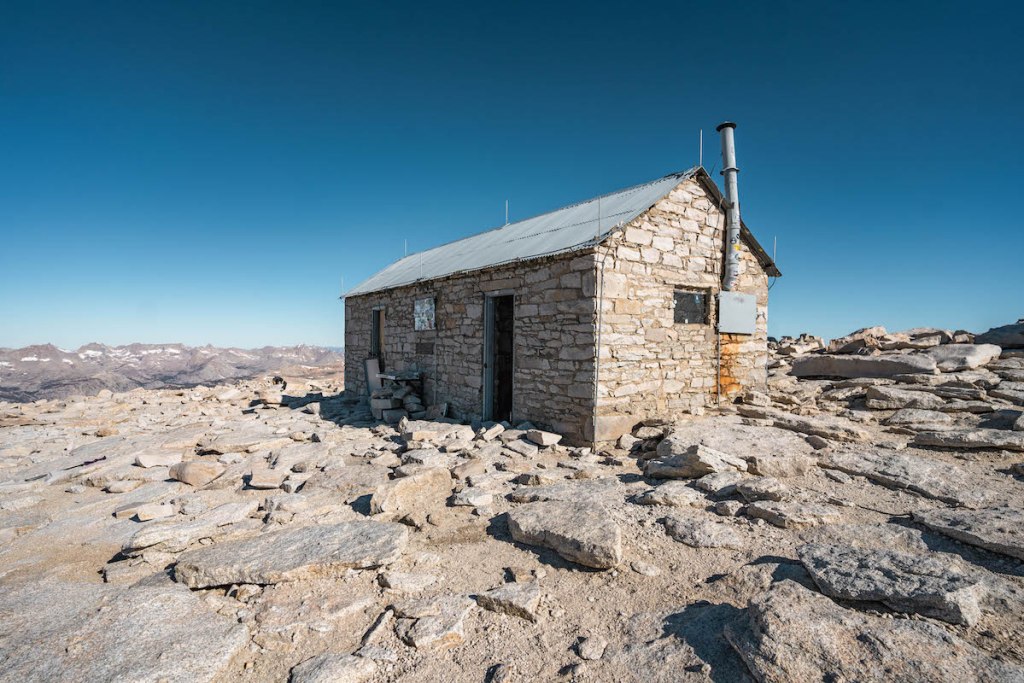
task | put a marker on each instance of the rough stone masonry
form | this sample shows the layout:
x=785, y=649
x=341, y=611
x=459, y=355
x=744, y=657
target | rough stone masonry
x=597, y=348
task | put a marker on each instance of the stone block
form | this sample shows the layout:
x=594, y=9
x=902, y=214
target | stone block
x=393, y=415
x=385, y=403
x=638, y=236
x=611, y=427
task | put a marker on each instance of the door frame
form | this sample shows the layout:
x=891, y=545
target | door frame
x=378, y=319
x=487, y=412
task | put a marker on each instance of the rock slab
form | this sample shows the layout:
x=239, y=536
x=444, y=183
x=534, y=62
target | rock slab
x=175, y=536
x=824, y=426
x=972, y=438
x=889, y=398
x=780, y=465
x=428, y=488
x=581, y=532
x=1007, y=336
x=999, y=529
x=406, y=582
x=197, y=472
x=863, y=366
x=517, y=599
x=94, y=632
x=702, y=533
x=291, y=554
x=157, y=459
x=435, y=623
x=334, y=668
x=673, y=494
x=792, y=515
x=929, y=478
x=678, y=459
x=956, y=357
x=930, y=585
x=542, y=438
x=917, y=418
x=763, y=488
x=794, y=634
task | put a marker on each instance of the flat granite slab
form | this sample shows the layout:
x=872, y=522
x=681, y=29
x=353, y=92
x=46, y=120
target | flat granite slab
x=999, y=529
x=794, y=634
x=581, y=532
x=56, y=631
x=930, y=478
x=928, y=584
x=292, y=554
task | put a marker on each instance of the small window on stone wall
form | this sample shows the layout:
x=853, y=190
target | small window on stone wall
x=691, y=307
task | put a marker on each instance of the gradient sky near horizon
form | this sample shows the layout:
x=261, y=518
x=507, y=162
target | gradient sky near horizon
x=205, y=172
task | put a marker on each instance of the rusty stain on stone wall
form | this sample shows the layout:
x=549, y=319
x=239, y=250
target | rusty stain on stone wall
x=730, y=382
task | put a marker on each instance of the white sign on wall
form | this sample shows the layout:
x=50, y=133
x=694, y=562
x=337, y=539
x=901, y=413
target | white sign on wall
x=423, y=313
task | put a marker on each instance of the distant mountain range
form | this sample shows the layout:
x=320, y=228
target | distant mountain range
x=45, y=371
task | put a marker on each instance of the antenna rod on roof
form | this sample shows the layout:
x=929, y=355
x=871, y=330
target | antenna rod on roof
x=700, y=154
x=406, y=246
x=506, y=212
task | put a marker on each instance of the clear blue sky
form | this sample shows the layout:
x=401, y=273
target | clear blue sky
x=207, y=172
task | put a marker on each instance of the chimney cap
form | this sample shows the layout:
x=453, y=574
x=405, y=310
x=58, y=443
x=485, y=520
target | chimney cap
x=725, y=124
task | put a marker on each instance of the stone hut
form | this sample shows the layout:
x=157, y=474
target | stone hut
x=585, y=320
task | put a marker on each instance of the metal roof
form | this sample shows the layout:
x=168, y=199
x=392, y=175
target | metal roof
x=572, y=227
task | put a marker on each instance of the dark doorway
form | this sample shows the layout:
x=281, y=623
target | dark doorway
x=377, y=337
x=498, y=359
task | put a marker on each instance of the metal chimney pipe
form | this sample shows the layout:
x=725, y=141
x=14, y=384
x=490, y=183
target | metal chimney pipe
x=732, y=200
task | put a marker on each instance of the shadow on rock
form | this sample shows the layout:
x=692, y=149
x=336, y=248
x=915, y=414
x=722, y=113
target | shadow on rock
x=362, y=504
x=701, y=627
x=999, y=419
x=339, y=409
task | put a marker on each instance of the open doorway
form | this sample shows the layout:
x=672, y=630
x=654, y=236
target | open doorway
x=377, y=337
x=499, y=324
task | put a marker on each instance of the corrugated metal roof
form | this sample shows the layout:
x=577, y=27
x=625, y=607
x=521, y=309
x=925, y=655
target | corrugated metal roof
x=571, y=227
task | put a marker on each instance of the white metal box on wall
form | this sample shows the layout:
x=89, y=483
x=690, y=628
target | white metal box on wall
x=737, y=313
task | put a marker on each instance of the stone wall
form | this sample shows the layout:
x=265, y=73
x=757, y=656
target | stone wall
x=651, y=366
x=553, y=376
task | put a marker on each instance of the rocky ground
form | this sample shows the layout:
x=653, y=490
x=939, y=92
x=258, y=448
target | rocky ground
x=859, y=521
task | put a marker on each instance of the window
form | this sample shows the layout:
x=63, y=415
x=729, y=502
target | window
x=691, y=307
x=423, y=314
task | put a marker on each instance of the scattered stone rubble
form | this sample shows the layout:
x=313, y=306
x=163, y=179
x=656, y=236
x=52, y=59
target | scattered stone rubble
x=857, y=520
x=395, y=401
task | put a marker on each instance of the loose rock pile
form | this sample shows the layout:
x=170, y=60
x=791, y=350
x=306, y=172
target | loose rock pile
x=395, y=401
x=858, y=520
x=933, y=384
